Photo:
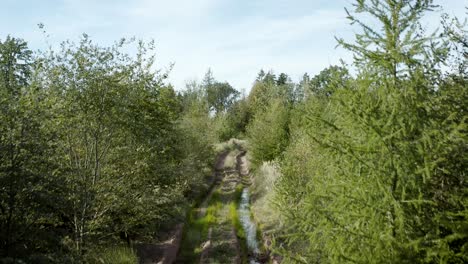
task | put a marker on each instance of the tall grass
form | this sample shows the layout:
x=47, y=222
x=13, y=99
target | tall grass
x=263, y=193
x=113, y=255
x=263, y=210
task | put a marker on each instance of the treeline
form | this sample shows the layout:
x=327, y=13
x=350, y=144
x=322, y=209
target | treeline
x=373, y=164
x=96, y=149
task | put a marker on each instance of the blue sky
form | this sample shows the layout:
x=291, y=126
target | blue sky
x=236, y=38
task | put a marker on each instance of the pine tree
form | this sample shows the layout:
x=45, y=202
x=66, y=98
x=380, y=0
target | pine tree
x=374, y=192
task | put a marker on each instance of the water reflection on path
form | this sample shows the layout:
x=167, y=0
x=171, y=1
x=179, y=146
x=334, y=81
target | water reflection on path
x=249, y=226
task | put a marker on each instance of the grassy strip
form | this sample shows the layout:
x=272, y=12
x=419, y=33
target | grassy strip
x=113, y=255
x=234, y=215
x=196, y=230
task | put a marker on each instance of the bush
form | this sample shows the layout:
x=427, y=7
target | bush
x=268, y=132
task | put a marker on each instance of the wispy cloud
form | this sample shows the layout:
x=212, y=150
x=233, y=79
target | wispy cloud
x=238, y=50
x=236, y=38
x=171, y=11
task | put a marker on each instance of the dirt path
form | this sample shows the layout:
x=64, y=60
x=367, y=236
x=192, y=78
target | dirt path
x=217, y=178
x=209, y=235
x=222, y=240
x=166, y=252
x=242, y=165
x=161, y=253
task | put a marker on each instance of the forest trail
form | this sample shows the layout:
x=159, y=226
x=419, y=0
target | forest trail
x=211, y=231
x=210, y=234
x=166, y=251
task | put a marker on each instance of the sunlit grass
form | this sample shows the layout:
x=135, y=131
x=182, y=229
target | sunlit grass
x=196, y=230
x=114, y=255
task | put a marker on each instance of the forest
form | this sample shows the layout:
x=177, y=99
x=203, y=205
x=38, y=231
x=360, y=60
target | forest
x=102, y=160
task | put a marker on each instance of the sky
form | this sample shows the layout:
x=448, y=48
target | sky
x=235, y=38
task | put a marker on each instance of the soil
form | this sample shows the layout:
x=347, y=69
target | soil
x=222, y=244
x=161, y=253
x=166, y=252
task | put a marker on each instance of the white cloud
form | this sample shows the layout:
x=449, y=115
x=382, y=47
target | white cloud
x=237, y=51
x=236, y=38
x=171, y=11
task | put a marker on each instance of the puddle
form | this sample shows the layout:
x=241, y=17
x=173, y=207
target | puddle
x=249, y=226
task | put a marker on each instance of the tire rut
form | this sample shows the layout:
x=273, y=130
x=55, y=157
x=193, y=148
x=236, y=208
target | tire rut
x=223, y=245
x=166, y=252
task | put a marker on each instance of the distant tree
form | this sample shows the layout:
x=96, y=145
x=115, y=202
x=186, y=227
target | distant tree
x=15, y=64
x=208, y=79
x=259, y=97
x=301, y=89
x=328, y=80
x=268, y=132
x=269, y=78
x=221, y=96
x=283, y=79
x=260, y=76
x=218, y=95
x=238, y=117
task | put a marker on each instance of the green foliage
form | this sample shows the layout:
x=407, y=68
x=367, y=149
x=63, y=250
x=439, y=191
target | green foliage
x=269, y=104
x=15, y=64
x=30, y=217
x=327, y=81
x=217, y=103
x=115, y=139
x=268, y=132
x=268, y=88
x=196, y=142
x=219, y=95
x=374, y=173
x=236, y=120
x=394, y=46
x=94, y=146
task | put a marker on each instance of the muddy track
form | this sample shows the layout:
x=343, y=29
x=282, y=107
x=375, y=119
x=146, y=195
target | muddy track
x=222, y=245
x=210, y=235
x=166, y=252
x=241, y=164
x=216, y=241
x=219, y=174
x=216, y=179
x=161, y=253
